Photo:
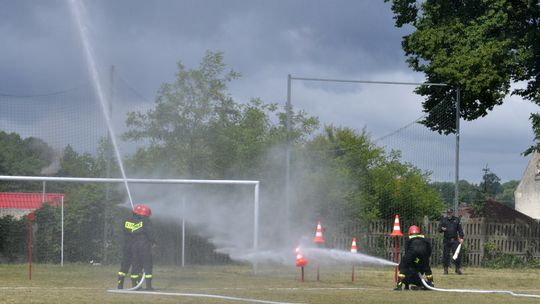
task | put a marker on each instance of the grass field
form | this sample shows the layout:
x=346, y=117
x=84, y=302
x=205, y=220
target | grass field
x=89, y=284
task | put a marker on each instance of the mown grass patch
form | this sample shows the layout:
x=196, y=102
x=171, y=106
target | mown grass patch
x=75, y=283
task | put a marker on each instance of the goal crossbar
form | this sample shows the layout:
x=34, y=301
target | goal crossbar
x=129, y=180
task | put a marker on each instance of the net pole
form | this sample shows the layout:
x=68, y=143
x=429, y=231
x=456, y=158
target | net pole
x=396, y=258
x=108, y=166
x=456, y=196
x=288, y=110
x=183, y=231
x=30, y=219
x=255, y=223
x=62, y=232
x=43, y=189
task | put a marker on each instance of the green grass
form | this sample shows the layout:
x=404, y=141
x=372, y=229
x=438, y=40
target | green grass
x=88, y=284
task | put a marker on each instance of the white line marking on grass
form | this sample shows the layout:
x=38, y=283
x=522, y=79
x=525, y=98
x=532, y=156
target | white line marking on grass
x=196, y=295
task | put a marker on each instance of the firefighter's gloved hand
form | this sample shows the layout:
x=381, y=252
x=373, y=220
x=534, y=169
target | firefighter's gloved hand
x=429, y=280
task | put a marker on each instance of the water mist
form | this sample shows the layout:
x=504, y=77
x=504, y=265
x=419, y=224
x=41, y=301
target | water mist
x=77, y=9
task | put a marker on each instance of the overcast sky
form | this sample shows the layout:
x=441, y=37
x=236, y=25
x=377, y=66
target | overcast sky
x=264, y=41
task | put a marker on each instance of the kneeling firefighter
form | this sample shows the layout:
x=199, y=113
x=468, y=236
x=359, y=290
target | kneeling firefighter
x=137, y=248
x=414, y=261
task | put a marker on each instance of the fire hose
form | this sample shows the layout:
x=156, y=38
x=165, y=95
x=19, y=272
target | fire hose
x=138, y=285
x=136, y=288
x=197, y=295
x=477, y=290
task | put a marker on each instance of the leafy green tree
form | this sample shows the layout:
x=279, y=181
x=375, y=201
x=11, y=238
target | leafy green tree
x=488, y=189
x=20, y=156
x=507, y=195
x=469, y=192
x=196, y=129
x=478, y=46
x=490, y=184
x=349, y=179
x=334, y=171
x=46, y=246
x=13, y=239
x=400, y=188
x=178, y=125
x=84, y=223
x=447, y=191
x=74, y=164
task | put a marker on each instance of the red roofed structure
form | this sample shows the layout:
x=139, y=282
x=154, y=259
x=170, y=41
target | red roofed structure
x=19, y=204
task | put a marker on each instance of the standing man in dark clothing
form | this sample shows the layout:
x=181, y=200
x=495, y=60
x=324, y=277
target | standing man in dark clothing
x=137, y=248
x=415, y=261
x=453, y=236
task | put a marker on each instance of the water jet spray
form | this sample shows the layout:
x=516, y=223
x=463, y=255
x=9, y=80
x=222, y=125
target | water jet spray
x=77, y=8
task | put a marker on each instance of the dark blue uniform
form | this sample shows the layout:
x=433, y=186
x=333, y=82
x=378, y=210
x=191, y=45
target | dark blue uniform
x=137, y=250
x=414, y=261
x=451, y=227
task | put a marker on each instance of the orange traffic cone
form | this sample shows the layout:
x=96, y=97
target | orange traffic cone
x=354, y=249
x=397, y=229
x=300, y=260
x=318, y=234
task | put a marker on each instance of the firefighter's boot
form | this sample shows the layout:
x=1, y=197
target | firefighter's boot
x=458, y=271
x=445, y=270
x=135, y=282
x=121, y=281
x=149, y=284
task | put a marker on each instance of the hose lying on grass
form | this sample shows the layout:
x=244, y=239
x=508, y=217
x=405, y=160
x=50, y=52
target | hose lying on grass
x=477, y=290
x=135, y=290
x=198, y=295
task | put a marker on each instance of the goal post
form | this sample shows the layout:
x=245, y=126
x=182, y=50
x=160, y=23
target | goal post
x=255, y=184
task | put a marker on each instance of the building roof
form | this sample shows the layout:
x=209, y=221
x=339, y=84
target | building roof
x=498, y=212
x=23, y=200
x=502, y=213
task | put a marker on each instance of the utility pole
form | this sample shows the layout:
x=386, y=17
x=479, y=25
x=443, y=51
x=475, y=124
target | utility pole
x=288, y=110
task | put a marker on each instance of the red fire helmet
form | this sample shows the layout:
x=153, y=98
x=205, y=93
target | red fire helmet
x=414, y=229
x=142, y=210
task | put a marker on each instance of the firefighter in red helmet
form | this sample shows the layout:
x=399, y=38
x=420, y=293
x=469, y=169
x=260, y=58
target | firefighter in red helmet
x=137, y=248
x=415, y=261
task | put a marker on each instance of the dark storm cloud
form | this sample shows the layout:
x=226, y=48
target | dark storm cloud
x=264, y=41
x=336, y=30
x=356, y=37
x=151, y=36
x=39, y=48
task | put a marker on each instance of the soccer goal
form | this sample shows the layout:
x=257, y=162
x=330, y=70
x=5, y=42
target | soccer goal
x=83, y=226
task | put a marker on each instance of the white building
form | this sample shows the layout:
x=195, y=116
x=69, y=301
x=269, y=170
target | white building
x=527, y=194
